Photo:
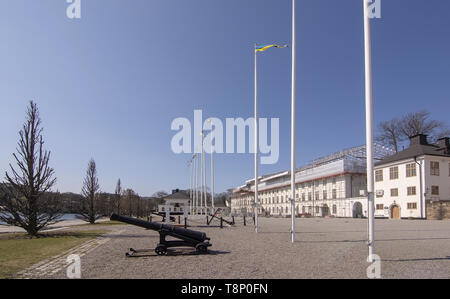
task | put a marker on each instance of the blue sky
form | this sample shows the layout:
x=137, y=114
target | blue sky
x=110, y=84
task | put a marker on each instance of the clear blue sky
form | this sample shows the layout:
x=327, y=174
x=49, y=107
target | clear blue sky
x=109, y=85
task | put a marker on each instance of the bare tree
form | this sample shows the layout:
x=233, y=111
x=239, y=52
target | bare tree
x=26, y=202
x=395, y=131
x=443, y=133
x=132, y=202
x=390, y=133
x=88, y=210
x=117, y=196
x=160, y=194
x=159, y=197
x=420, y=123
x=103, y=203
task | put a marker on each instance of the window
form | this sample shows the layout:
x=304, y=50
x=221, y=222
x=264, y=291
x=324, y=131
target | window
x=303, y=209
x=310, y=196
x=324, y=194
x=303, y=197
x=434, y=190
x=379, y=175
x=411, y=170
x=317, y=195
x=334, y=193
x=412, y=206
x=411, y=191
x=334, y=209
x=380, y=207
x=434, y=168
x=394, y=192
x=317, y=210
x=393, y=173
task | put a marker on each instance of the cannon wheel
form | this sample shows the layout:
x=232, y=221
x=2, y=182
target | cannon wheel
x=201, y=248
x=161, y=250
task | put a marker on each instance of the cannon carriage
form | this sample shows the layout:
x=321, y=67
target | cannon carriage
x=186, y=237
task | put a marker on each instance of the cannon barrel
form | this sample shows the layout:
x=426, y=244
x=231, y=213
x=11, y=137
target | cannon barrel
x=199, y=236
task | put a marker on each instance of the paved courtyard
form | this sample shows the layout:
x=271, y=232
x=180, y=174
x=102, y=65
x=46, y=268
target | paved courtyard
x=325, y=248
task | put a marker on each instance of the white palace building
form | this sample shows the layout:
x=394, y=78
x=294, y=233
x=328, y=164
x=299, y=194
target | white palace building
x=335, y=186
x=330, y=186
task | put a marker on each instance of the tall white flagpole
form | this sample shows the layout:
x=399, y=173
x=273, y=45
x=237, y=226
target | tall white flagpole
x=256, y=142
x=190, y=183
x=293, y=128
x=204, y=174
x=369, y=131
x=201, y=178
x=195, y=185
x=212, y=177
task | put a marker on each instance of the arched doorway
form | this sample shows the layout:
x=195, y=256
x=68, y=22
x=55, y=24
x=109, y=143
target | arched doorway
x=357, y=210
x=395, y=212
x=325, y=210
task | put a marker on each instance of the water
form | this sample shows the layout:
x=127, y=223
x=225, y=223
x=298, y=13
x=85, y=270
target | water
x=63, y=217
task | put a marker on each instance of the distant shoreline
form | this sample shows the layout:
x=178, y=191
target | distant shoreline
x=66, y=221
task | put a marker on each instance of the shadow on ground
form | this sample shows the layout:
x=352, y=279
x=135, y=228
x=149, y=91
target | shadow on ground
x=171, y=252
x=419, y=259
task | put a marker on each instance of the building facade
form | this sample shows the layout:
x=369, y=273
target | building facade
x=331, y=186
x=408, y=182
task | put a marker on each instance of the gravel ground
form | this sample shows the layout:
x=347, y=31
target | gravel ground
x=325, y=248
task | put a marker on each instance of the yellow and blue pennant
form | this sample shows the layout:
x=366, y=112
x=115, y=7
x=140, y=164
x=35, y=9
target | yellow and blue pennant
x=265, y=47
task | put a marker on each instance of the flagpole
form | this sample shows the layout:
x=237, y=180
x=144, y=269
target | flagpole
x=193, y=184
x=369, y=130
x=204, y=174
x=256, y=142
x=293, y=128
x=212, y=177
x=205, y=184
x=190, y=183
x=201, y=177
x=196, y=184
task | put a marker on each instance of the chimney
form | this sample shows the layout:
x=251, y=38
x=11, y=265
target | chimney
x=419, y=139
x=444, y=142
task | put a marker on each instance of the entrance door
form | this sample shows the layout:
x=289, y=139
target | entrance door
x=325, y=211
x=395, y=212
x=357, y=210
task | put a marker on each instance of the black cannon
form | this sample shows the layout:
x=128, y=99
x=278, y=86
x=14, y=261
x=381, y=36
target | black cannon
x=187, y=237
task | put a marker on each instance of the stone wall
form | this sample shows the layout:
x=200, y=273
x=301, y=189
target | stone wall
x=438, y=210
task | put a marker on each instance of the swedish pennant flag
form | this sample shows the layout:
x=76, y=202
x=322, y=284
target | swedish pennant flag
x=265, y=47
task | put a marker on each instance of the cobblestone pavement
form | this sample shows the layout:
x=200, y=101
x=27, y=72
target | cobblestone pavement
x=324, y=248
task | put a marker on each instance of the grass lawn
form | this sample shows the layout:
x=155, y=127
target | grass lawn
x=97, y=224
x=18, y=251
